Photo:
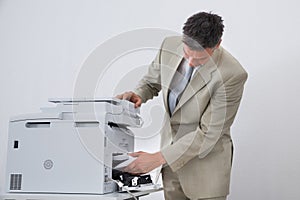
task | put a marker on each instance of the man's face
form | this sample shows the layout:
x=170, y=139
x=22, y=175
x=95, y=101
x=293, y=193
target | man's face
x=197, y=57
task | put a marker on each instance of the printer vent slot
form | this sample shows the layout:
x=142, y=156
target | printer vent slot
x=37, y=124
x=15, y=181
x=16, y=144
x=86, y=124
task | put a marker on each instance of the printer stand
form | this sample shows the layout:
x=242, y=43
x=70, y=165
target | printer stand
x=111, y=196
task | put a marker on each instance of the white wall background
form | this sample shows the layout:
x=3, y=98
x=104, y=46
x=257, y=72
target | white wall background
x=44, y=43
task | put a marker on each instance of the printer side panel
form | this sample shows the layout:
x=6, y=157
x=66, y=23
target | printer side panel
x=50, y=156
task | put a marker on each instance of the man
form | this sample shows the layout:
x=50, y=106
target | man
x=202, y=86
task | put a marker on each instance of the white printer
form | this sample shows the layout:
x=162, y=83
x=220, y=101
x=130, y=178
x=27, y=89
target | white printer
x=69, y=148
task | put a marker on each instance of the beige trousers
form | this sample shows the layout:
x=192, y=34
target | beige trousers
x=172, y=187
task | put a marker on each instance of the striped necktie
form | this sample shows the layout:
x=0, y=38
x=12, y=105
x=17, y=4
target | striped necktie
x=179, y=83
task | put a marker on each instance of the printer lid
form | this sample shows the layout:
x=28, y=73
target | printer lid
x=114, y=101
x=51, y=113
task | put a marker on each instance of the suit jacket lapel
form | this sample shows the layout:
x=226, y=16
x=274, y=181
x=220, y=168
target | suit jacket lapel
x=169, y=72
x=201, y=77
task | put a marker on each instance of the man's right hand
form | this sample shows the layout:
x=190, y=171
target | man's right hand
x=131, y=96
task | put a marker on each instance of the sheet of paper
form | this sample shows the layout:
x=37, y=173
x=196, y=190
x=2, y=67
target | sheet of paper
x=124, y=164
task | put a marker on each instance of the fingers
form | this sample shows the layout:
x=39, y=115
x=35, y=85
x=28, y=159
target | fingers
x=125, y=96
x=120, y=96
x=130, y=168
x=133, y=154
x=136, y=154
x=132, y=97
x=138, y=103
x=133, y=168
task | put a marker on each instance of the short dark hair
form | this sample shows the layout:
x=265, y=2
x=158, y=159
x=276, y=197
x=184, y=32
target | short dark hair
x=203, y=30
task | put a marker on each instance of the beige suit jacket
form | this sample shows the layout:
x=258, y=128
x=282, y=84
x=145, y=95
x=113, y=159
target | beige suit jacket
x=195, y=138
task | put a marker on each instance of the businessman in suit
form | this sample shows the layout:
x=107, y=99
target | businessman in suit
x=202, y=86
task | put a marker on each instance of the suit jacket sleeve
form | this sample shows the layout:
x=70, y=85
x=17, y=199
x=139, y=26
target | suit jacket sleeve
x=215, y=121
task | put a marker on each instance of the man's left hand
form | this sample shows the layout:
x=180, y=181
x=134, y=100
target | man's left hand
x=144, y=162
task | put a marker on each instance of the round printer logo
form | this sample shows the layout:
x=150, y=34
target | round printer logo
x=48, y=164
